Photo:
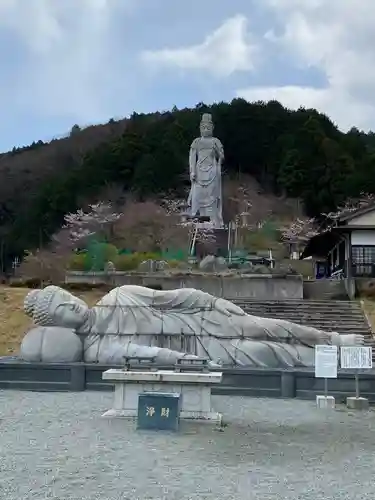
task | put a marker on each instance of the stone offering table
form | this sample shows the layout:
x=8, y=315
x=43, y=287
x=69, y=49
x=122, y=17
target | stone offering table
x=194, y=387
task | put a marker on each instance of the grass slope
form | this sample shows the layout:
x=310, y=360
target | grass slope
x=13, y=321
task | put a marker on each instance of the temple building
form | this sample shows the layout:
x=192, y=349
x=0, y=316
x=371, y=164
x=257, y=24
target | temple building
x=347, y=248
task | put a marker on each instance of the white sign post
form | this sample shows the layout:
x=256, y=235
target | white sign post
x=326, y=359
x=356, y=358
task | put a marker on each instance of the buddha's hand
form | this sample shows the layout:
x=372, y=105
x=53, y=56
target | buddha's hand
x=228, y=308
x=352, y=340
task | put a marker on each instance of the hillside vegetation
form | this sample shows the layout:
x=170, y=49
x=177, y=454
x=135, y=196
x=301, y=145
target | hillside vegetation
x=299, y=154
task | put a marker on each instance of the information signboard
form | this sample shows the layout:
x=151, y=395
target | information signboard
x=356, y=357
x=326, y=358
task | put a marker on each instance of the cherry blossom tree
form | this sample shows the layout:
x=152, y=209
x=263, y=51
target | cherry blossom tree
x=154, y=226
x=150, y=227
x=351, y=205
x=48, y=264
x=302, y=229
x=99, y=218
x=299, y=230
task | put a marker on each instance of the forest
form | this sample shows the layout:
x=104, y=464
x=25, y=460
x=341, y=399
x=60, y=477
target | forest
x=296, y=154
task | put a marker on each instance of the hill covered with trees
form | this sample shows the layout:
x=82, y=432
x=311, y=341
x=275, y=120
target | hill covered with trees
x=298, y=154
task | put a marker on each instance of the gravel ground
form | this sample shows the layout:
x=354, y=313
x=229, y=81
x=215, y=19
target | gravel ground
x=56, y=445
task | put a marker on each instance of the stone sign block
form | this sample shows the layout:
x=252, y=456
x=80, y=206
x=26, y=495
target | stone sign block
x=159, y=410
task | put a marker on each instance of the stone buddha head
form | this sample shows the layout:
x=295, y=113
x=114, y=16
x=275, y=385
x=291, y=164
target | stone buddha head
x=54, y=306
x=206, y=125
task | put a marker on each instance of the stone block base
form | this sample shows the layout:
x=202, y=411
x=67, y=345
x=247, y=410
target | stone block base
x=357, y=403
x=193, y=387
x=325, y=402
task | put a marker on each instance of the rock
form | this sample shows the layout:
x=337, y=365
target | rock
x=184, y=266
x=109, y=267
x=208, y=264
x=221, y=264
x=259, y=269
x=51, y=344
x=147, y=266
x=234, y=265
x=212, y=264
x=162, y=265
x=153, y=266
x=246, y=267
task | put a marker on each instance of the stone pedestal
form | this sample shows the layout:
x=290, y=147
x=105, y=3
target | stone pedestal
x=357, y=403
x=194, y=387
x=325, y=402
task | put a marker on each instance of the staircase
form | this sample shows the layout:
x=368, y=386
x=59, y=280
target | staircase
x=342, y=316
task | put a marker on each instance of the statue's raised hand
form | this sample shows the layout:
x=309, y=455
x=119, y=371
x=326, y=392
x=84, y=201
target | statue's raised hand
x=228, y=308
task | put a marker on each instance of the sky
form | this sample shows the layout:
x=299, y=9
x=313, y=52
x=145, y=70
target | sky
x=66, y=62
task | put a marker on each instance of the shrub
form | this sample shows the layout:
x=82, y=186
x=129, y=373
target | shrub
x=80, y=262
x=126, y=262
x=105, y=251
x=27, y=283
x=131, y=262
x=85, y=261
x=175, y=264
x=43, y=265
x=86, y=287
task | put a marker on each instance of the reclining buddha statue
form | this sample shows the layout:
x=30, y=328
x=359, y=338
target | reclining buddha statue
x=134, y=321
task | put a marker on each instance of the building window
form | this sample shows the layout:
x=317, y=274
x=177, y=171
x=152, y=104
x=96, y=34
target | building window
x=363, y=259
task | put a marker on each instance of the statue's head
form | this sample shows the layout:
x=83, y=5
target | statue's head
x=54, y=306
x=206, y=126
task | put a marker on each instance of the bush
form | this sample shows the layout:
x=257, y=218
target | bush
x=174, y=264
x=27, y=283
x=126, y=262
x=86, y=287
x=109, y=251
x=131, y=262
x=122, y=262
x=85, y=261
x=44, y=266
x=80, y=262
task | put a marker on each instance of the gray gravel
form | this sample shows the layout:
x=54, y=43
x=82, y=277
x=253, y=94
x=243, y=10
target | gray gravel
x=56, y=445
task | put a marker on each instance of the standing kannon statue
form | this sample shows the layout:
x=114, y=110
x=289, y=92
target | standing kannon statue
x=205, y=161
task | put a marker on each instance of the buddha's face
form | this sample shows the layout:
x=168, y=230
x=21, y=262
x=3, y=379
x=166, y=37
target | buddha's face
x=68, y=311
x=206, y=129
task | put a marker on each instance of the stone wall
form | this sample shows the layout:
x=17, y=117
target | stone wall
x=256, y=382
x=304, y=267
x=365, y=287
x=270, y=287
x=325, y=289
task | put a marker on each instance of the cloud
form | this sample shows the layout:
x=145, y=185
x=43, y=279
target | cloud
x=338, y=104
x=335, y=37
x=84, y=61
x=65, y=47
x=225, y=51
